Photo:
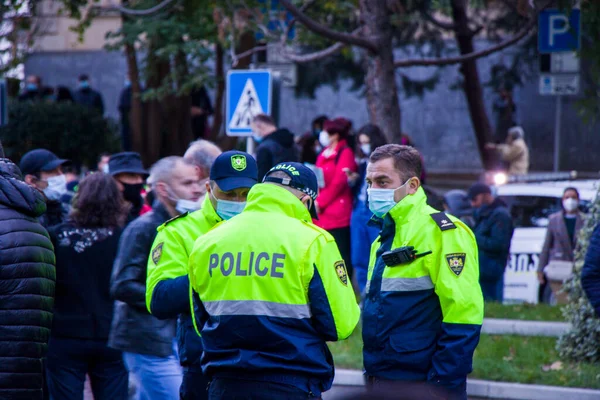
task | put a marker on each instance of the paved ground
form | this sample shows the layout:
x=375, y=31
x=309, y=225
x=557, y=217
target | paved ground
x=347, y=393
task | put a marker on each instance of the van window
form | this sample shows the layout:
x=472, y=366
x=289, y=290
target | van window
x=534, y=211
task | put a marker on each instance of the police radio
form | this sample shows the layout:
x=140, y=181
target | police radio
x=401, y=255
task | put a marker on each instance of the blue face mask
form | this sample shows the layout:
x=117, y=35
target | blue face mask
x=257, y=138
x=127, y=83
x=32, y=87
x=84, y=84
x=381, y=201
x=228, y=209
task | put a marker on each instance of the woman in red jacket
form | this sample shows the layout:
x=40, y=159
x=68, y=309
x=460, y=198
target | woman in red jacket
x=334, y=202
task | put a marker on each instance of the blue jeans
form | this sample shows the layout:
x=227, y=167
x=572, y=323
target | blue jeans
x=157, y=378
x=68, y=362
x=362, y=236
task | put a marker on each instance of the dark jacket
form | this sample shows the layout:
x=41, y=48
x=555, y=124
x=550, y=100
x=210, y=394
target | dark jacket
x=493, y=230
x=134, y=329
x=90, y=98
x=277, y=147
x=56, y=213
x=84, y=259
x=27, y=277
x=590, y=274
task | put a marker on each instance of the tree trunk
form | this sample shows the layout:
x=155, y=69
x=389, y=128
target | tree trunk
x=382, y=92
x=220, y=90
x=472, y=83
x=157, y=70
x=136, y=113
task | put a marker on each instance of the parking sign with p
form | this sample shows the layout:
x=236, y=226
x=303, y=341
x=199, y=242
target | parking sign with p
x=559, y=30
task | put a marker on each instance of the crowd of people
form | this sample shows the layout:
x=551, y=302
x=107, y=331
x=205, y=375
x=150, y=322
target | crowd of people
x=230, y=271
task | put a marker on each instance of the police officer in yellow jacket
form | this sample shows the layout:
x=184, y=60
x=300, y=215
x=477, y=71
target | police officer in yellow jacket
x=423, y=309
x=270, y=288
x=167, y=296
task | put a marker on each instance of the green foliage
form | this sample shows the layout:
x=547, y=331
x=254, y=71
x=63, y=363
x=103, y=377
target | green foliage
x=589, y=105
x=525, y=312
x=581, y=342
x=70, y=130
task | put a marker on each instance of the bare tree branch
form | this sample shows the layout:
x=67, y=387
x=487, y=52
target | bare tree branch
x=440, y=24
x=317, y=55
x=237, y=57
x=132, y=12
x=322, y=30
x=477, y=54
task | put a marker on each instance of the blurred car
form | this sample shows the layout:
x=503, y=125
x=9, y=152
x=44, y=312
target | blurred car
x=531, y=199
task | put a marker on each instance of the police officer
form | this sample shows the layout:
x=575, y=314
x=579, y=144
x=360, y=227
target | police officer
x=423, y=310
x=269, y=289
x=231, y=177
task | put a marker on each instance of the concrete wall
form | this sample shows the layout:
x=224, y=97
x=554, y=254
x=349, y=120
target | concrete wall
x=439, y=122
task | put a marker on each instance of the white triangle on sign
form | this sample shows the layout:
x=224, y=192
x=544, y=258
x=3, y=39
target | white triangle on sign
x=247, y=107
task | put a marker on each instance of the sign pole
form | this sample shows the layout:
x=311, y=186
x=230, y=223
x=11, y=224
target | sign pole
x=250, y=145
x=557, y=121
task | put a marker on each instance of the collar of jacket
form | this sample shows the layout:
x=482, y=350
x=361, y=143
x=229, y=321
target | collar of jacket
x=18, y=195
x=486, y=210
x=270, y=198
x=341, y=144
x=404, y=211
x=160, y=211
x=208, y=211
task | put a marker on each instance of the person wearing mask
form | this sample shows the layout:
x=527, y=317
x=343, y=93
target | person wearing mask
x=102, y=165
x=27, y=283
x=493, y=229
x=43, y=170
x=33, y=89
x=590, y=273
x=266, y=317
x=334, y=202
x=362, y=233
x=560, y=242
x=231, y=176
x=148, y=343
x=88, y=97
x=274, y=145
x=515, y=151
x=309, y=142
x=202, y=153
x=423, y=310
x=127, y=169
x=86, y=247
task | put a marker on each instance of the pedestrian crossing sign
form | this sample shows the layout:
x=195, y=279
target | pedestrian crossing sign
x=249, y=93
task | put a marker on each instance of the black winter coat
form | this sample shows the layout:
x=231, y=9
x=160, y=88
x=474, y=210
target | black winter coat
x=134, y=329
x=278, y=147
x=27, y=277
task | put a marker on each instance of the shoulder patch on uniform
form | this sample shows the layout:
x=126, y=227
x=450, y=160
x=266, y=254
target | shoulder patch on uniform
x=443, y=221
x=456, y=262
x=157, y=253
x=340, y=268
x=185, y=214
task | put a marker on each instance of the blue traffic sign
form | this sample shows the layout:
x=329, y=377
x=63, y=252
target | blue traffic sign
x=249, y=93
x=559, y=31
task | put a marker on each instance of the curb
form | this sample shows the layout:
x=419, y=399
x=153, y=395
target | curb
x=494, y=326
x=492, y=390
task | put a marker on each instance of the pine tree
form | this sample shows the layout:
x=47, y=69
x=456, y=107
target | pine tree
x=582, y=341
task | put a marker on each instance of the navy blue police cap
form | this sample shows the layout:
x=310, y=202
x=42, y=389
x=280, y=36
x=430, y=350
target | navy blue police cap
x=300, y=178
x=234, y=170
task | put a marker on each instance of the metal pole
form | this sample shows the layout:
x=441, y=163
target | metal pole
x=557, y=122
x=250, y=145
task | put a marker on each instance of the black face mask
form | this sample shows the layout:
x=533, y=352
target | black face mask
x=132, y=193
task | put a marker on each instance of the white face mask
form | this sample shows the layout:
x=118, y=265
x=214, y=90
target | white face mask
x=324, y=139
x=381, y=201
x=570, y=204
x=183, y=205
x=366, y=148
x=57, y=186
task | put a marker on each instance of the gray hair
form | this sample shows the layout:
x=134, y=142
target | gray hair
x=517, y=132
x=162, y=170
x=202, y=153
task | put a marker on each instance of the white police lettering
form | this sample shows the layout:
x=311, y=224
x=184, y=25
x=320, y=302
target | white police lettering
x=244, y=264
x=287, y=167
